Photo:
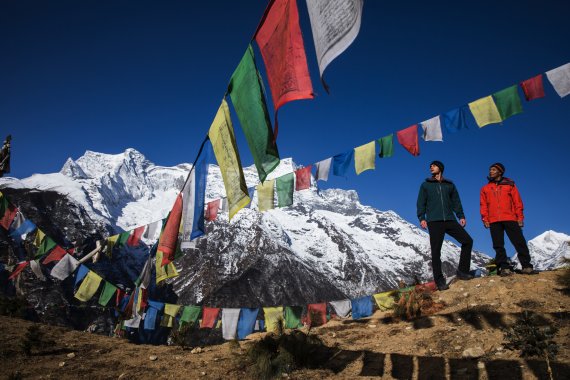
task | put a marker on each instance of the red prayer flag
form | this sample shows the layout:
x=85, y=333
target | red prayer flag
x=281, y=44
x=128, y=312
x=169, y=236
x=533, y=88
x=120, y=295
x=303, y=178
x=408, y=138
x=316, y=314
x=55, y=255
x=19, y=268
x=8, y=216
x=209, y=316
x=212, y=210
x=135, y=237
x=144, y=299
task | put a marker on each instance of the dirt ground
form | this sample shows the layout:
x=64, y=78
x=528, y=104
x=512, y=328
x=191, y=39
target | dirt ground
x=431, y=347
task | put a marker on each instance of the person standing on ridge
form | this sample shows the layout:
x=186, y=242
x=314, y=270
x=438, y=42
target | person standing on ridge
x=437, y=207
x=5, y=156
x=501, y=209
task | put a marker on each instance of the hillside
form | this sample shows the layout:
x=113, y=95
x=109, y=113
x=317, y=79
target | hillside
x=428, y=348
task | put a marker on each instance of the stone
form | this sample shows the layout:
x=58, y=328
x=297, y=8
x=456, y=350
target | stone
x=196, y=350
x=122, y=375
x=465, y=294
x=71, y=355
x=474, y=352
x=481, y=365
x=478, y=285
x=203, y=373
x=457, y=348
x=61, y=364
x=153, y=357
x=371, y=326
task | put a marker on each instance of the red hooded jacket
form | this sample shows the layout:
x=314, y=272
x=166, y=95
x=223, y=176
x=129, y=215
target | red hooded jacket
x=500, y=202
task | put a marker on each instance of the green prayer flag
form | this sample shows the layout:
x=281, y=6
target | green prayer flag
x=293, y=317
x=47, y=245
x=386, y=146
x=508, y=102
x=123, y=237
x=190, y=315
x=248, y=99
x=285, y=190
x=107, y=293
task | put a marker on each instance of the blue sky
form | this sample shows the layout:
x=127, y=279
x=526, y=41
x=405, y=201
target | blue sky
x=109, y=75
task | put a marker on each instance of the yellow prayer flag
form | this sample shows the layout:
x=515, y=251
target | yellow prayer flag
x=364, y=157
x=265, y=195
x=39, y=238
x=223, y=140
x=167, y=321
x=273, y=316
x=171, y=309
x=384, y=300
x=111, y=240
x=88, y=287
x=166, y=271
x=485, y=111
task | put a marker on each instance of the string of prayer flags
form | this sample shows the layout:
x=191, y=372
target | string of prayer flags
x=454, y=120
x=223, y=140
x=7, y=212
x=212, y=210
x=170, y=311
x=64, y=267
x=341, y=163
x=107, y=293
x=386, y=146
x=508, y=102
x=303, y=178
x=248, y=98
x=265, y=195
x=80, y=274
x=55, y=255
x=335, y=25
x=316, y=314
x=432, y=129
x=163, y=272
x=169, y=238
x=293, y=316
x=151, y=315
x=533, y=88
x=485, y=111
x=19, y=268
x=190, y=315
x=364, y=157
x=560, y=79
x=341, y=308
x=273, y=316
x=281, y=44
x=361, y=307
x=384, y=300
x=323, y=168
x=285, y=188
x=246, y=322
x=408, y=138
x=88, y=287
x=230, y=318
x=135, y=237
x=209, y=317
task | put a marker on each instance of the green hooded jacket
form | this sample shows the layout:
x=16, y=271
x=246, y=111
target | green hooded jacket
x=438, y=201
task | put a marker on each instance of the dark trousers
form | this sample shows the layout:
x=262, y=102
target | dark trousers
x=437, y=231
x=514, y=232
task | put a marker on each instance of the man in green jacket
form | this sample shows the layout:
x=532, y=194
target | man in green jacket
x=438, y=205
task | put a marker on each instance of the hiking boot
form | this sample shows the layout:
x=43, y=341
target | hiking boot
x=528, y=270
x=441, y=285
x=464, y=276
x=505, y=272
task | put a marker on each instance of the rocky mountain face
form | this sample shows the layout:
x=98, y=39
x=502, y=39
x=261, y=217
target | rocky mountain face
x=326, y=246
x=549, y=250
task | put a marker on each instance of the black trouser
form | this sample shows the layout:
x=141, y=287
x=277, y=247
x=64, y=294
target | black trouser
x=437, y=231
x=514, y=232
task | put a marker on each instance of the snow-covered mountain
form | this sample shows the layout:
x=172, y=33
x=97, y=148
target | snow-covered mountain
x=549, y=250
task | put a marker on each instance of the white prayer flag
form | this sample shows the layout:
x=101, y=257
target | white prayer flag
x=230, y=319
x=341, y=308
x=560, y=79
x=323, y=169
x=66, y=266
x=432, y=129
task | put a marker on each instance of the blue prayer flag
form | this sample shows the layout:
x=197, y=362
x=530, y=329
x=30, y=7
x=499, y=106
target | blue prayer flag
x=361, y=307
x=25, y=228
x=341, y=163
x=80, y=274
x=454, y=120
x=246, y=322
x=151, y=315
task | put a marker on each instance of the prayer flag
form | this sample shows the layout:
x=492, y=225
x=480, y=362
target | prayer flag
x=209, y=317
x=485, y=111
x=152, y=229
x=40, y=236
x=223, y=140
x=316, y=314
x=88, y=287
x=135, y=237
x=508, y=102
x=408, y=138
x=246, y=322
x=55, y=255
x=265, y=195
x=248, y=98
x=341, y=163
x=284, y=185
x=151, y=315
x=281, y=44
x=80, y=274
x=37, y=269
x=107, y=293
x=169, y=237
x=23, y=230
x=342, y=308
x=111, y=241
x=533, y=88
x=134, y=322
x=47, y=245
x=454, y=120
x=144, y=277
x=560, y=79
x=212, y=210
x=361, y=307
x=19, y=268
x=273, y=316
x=230, y=319
x=293, y=316
x=170, y=312
x=432, y=129
x=64, y=267
x=364, y=157
x=335, y=25
x=164, y=271
x=386, y=146
x=7, y=212
x=303, y=178
x=189, y=315
x=384, y=300
x=323, y=169
x=16, y=222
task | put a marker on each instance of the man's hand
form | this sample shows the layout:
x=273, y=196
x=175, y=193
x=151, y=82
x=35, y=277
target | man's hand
x=463, y=222
x=521, y=223
x=423, y=224
x=486, y=224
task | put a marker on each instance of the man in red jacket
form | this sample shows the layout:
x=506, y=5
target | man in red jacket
x=502, y=211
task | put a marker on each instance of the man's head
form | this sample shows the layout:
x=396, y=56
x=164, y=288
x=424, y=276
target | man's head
x=496, y=170
x=436, y=167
